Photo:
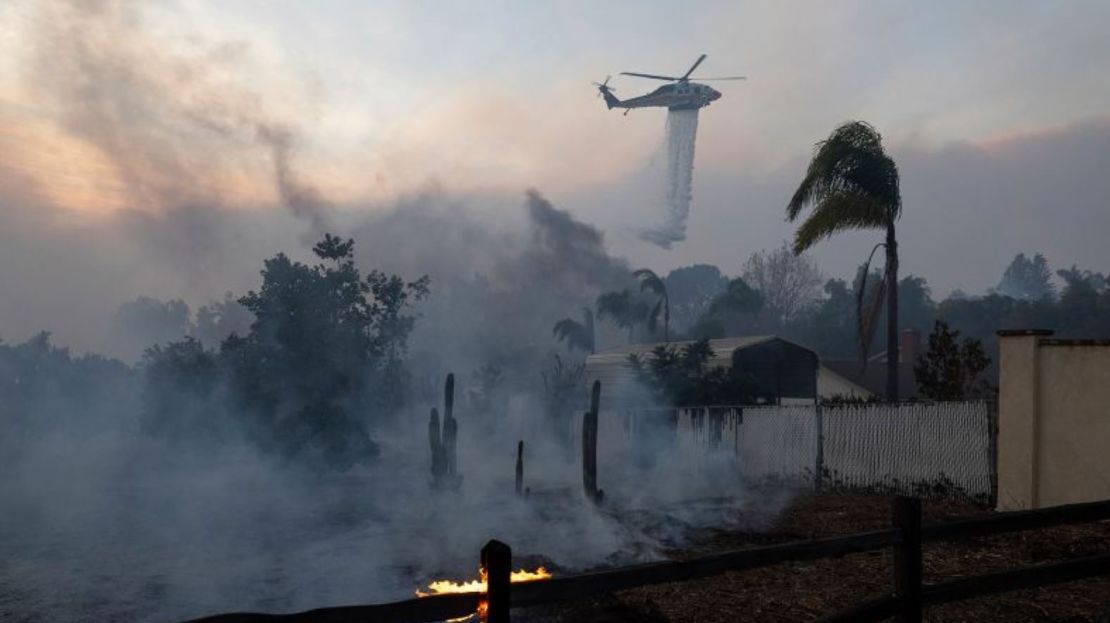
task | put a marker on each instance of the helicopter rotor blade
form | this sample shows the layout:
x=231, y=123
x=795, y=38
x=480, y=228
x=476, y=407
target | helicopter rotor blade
x=724, y=78
x=686, y=76
x=652, y=76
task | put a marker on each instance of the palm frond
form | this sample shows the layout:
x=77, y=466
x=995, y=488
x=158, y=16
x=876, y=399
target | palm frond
x=614, y=305
x=650, y=281
x=576, y=334
x=850, y=161
x=866, y=322
x=620, y=308
x=837, y=212
x=565, y=328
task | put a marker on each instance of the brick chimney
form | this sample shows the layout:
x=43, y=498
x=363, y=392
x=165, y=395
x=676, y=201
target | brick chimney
x=909, y=345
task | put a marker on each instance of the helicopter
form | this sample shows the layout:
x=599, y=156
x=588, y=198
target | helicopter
x=681, y=94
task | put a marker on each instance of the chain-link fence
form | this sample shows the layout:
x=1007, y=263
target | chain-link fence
x=944, y=448
x=939, y=449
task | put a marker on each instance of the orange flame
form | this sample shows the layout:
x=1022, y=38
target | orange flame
x=443, y=587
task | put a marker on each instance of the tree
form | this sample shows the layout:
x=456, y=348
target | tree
x=1075, y=276
x=219, y=319
x=831, y=325
x=45, y=388
x=1027, y=278
x=650, y=282
x=690, y=290
x=325, y=351
x=851, y=183
x=787, y=282
x=625, y=310
x=950, y=369
x=324, y=333
x=1082, y=303
x=682, y=376
x=916, y=308
x=730, y=312
x=562, y=383
x=146, y=321
x=486, y=395
x=180, y=390
x=738, y=297
x=576, y=334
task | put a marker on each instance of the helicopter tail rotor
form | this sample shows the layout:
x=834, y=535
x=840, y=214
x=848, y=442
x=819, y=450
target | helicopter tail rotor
x=604, y=85
x=606, y=91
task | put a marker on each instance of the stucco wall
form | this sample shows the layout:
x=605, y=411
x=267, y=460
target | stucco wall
x=1054, y=421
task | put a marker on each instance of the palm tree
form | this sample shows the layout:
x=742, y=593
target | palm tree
x=650, y=282
x=623, y=309
x=851, y=183
x=576, y=334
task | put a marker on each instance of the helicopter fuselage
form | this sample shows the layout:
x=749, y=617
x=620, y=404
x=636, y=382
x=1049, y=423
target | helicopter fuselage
x=676, y=96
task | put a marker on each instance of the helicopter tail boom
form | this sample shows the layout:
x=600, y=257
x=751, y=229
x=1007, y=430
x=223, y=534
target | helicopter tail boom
x=610, y=99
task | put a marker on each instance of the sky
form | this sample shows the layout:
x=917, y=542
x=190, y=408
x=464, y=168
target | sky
x=164, y=148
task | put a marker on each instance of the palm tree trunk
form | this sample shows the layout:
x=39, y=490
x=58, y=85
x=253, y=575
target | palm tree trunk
x=666, y=319
x=891, y=314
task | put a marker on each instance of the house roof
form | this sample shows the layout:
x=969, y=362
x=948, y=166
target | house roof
x=776, y=366
x=723, y=348
x=873, y=378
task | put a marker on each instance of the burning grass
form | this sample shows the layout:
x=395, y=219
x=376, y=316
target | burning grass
x=444, y=587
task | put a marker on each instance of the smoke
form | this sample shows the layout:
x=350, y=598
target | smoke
x=174, y=119
x=305, y=201
x=681, y=133
x=103, y=522
x=501, y=278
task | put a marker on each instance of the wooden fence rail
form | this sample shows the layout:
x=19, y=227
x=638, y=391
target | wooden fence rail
x=906, y=601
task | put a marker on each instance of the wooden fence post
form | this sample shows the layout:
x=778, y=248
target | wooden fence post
x=907, y=558
x=520, y=467
x=450, y=426
x=497, y=561
x=435, y=440
x=819, y=476
x=589, y=445
x=992, y=448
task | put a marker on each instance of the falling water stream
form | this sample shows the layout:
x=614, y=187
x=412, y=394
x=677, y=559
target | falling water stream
x=680, y=137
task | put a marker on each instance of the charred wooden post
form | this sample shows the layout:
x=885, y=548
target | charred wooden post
x=589, y=446
x=497, y=562
x=589, y=455
x=450, y=425
x=520, y=468
x=907, y=559
x=435, y=440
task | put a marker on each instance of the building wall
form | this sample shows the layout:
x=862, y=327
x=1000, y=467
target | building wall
x=832, y=385
x=1054, y=420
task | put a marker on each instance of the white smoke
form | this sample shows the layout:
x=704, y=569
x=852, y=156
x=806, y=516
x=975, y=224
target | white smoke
x=681, y=133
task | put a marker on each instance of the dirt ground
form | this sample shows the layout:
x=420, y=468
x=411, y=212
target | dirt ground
x=808, y=591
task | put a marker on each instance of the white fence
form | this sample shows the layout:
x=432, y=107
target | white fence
x=914, y=448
